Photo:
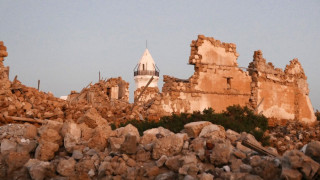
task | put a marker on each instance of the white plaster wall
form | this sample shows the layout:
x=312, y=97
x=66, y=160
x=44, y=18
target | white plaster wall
x=144, y=79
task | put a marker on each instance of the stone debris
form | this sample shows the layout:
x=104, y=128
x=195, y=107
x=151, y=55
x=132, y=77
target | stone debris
x=60, y=150
x=72, y=139
x=293, y=135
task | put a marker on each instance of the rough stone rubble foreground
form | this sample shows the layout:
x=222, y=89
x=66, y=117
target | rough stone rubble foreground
x=91, y=150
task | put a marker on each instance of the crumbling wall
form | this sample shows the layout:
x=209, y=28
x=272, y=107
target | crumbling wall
x=102, y=92
x=278, y=94
x=4, y=71
x=217, y=82
x=149, y=94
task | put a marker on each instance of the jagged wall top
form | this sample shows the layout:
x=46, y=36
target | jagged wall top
x=260, y=64
x=198, y=51
x=3, y=51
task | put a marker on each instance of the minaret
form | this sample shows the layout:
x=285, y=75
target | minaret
x=145, y=69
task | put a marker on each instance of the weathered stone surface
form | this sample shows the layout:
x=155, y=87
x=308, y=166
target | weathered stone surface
x=46, y=150
x=169, y=146
x=49, y=124
x=143, y=155
x=161, y=161
x=129, y=145
x=16, y=160
x=149, y=136
x=206, y=176
x=8, y=146
x=115, y=143
x=232, y=135
x=128, y=129
x=66, y=167
x=26, y=145
x=221, y=152
x=39, y=170
x=193, y=129
x=30, y=131
x=99, y=139
x=173, y=163
x=51, y=135
x=166, y=176
x=213, y=131
x=93, y=119
x=291, y=174
x=313, y=150
x=295, y=159
x=77, y=154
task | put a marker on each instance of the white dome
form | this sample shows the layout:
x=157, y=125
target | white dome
x=146, y=62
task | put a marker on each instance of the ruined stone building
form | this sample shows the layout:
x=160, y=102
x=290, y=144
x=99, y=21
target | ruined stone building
x=219, y=82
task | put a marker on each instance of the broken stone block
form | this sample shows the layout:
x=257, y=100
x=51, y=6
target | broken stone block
x=72, y=134
x=206, y=176
x=193, y=129
x=72, y=129
x=161, y=161
x=129, y=145
x=49, y=124
x=39, y=170
x=142, y=155
x=115, y=143
x=149, y=136
x=212, y=131
x=131, y=162
x=8, y=146
x=169, y=146
x=16, y=160
x=173, y=163
x=77, y=154
x=99, y=139
x=245, y=168
x=26, y=145
x=290, y=174
x=50, y=136
x=70, y=142
x=66, y=167
x=295, y=159
x=151, y=171
x=128, y=129
x=46, y=150
x=30, y=131
x=167, y=176
x=93, y=119
x=313, y=150
x=221, y=152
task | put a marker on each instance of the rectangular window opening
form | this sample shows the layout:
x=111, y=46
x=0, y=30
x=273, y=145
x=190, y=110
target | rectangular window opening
x=228, y=83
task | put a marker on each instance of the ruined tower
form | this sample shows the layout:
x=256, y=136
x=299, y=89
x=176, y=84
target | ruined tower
x=144, y=70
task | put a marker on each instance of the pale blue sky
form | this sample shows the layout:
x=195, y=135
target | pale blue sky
x=66, y=43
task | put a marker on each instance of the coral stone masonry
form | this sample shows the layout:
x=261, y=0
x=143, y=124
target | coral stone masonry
x=219, y=82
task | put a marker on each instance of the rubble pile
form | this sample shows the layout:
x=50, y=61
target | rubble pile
x=99, y=97
x=109, y=97
x=293, y=135
x=19, y=100
x=89, y=149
